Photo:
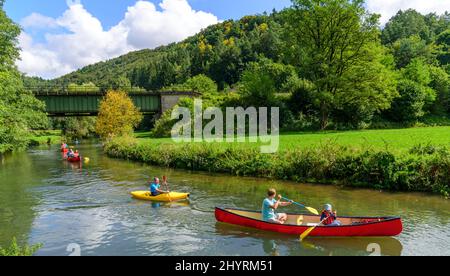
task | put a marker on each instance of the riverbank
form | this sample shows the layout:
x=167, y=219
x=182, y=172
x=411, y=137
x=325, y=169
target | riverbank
x=420, y=168
x=42, y=137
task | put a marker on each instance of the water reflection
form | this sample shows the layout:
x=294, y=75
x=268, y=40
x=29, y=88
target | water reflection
x=275, y=244
x=55, y=202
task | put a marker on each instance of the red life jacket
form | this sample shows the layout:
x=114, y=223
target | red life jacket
x=330, y=218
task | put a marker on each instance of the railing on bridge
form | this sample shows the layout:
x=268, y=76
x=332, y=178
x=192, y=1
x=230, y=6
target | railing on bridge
x=81, y=90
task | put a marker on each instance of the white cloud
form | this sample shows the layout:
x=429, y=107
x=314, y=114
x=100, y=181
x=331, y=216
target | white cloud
x=389, y=8
x=85, y=41
x=36, y=20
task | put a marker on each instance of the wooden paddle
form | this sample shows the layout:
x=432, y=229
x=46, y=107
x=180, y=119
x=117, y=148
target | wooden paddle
x=309, y=230
x=310, y=209
x=167, y=187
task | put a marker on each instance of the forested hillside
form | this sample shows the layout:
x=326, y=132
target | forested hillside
x=338, y=67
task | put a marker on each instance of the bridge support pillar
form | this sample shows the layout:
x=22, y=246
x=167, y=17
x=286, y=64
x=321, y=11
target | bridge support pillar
x=169, y=100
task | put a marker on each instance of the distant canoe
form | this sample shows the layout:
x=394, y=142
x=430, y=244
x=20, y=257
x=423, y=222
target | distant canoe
x=296, y=224
x=74, y=159
x=173, y=196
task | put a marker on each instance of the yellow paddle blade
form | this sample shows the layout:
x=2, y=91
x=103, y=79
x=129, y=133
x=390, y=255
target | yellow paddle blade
x=306, y=233
x=312, y=210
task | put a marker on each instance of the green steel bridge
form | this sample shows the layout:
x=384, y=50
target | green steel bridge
x=86, y=103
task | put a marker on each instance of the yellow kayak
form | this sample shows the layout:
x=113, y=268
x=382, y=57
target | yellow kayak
x=172, y=196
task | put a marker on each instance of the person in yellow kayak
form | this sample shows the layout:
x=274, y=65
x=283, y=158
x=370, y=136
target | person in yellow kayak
x=155, y=187
x=270, y=204
x=329, y=217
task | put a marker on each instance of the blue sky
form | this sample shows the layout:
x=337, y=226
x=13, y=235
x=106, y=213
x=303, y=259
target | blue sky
x=110, y=12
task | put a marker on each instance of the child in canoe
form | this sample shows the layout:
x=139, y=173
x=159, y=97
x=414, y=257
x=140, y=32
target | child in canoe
x=329, y=217
x=155, y=188
x=270, y=204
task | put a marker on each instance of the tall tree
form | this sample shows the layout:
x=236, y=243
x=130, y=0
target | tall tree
x=117, y=115
x=405, y=24
x=19, y=109
x=327, y=41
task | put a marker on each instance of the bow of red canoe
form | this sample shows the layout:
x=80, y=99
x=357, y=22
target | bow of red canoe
x=296, y=224
x=74, y=159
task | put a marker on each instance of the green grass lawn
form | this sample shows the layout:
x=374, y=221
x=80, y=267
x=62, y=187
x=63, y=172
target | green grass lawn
x=396, y=140
x=42, y=137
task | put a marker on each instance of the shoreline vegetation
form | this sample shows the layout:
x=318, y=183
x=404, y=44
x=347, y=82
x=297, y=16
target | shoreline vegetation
x=49, y=137
x=419, y=168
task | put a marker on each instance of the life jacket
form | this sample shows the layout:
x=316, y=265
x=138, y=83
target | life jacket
x=330, y=218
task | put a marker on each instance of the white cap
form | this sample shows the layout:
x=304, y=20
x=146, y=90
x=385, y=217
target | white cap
x=328, y=207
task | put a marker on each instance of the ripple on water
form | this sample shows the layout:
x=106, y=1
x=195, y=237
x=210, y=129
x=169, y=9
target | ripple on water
x=92, y=207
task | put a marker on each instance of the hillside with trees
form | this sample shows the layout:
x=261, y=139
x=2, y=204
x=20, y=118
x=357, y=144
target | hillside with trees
x=328, y=66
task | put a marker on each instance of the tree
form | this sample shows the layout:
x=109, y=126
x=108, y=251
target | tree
x=443, y=42
x=440, y=82
x=415, y=93
x=117, y=115
x=77, y=127
x=329, y=41
x=278, y=72
x=122, y=83
x=84, y=88
x=367, y=87
x=407, y=49
x=257, y=89
x=9, y=33
x=202, y=84
x=409, y=107
x=20, y=111
x=405, y=24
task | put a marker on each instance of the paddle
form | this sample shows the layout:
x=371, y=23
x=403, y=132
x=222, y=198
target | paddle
x=310, y=209
x=167, y=187
x=309, y=230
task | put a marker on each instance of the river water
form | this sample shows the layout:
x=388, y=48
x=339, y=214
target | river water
x=87, y=210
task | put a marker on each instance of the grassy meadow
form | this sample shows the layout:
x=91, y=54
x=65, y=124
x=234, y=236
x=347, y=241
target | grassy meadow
x=393, y=140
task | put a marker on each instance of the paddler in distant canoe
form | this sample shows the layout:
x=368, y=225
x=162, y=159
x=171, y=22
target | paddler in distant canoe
x=270, y=204
x=155, y=188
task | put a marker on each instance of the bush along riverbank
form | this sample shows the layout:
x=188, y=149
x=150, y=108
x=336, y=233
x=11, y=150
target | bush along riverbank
x=423, y=169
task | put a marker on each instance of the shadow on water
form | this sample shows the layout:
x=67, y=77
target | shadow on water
x=273, y=244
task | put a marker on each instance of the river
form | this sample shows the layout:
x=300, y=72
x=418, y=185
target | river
x=87, y=210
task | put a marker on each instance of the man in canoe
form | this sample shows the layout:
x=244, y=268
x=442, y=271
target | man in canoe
x=155, y=188
x=329, y=217
x=270, y=204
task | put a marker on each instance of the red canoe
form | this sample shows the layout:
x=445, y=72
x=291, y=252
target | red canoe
x=74, y=159
x=296, y=224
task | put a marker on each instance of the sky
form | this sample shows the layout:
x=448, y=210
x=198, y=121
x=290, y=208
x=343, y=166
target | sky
x=60, y=36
